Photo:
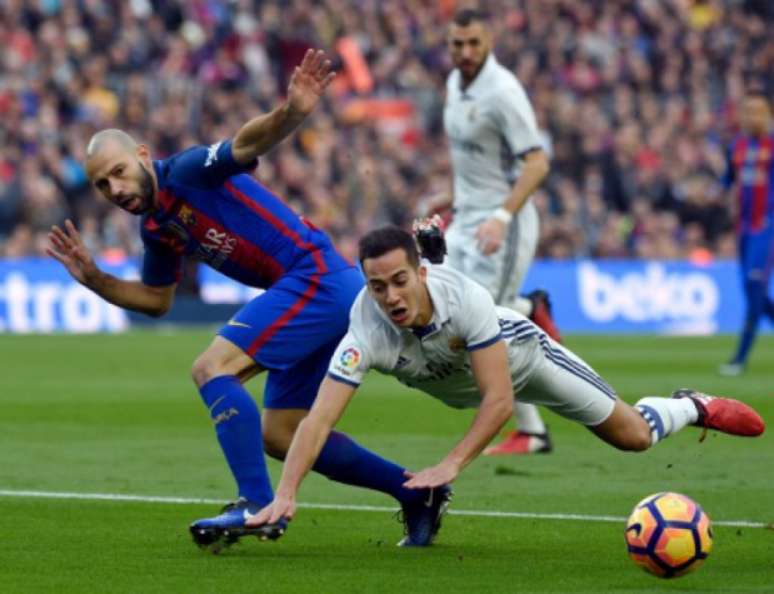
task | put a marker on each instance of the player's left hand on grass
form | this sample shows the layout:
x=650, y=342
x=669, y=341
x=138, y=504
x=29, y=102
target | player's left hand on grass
x=490, y=236
x=435, y=476
x=309, y=81
x=280, y=508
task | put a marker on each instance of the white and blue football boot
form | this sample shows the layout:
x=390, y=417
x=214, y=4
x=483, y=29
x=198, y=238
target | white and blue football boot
x=215, y=534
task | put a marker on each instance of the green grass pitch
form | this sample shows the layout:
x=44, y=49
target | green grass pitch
x=119, y=415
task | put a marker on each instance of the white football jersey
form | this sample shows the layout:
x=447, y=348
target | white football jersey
x=490, y=125
x=436, y=358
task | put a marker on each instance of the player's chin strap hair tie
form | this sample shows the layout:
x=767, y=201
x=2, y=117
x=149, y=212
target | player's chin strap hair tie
x=428, y=233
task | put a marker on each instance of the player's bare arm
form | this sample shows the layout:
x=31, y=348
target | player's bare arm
x=332, y=399
x=437, y=203
x=66, y=246
x=307, y=84
x=491, y=233
x=492, y=373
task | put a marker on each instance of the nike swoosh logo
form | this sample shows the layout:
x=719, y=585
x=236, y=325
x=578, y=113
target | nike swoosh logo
x=237, y=324
x=214, y=404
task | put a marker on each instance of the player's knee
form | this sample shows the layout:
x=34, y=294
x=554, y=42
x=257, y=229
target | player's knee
x=204, y=369
x=629, y=437
x=276, y=441
x=640, y=440
x=636, y=438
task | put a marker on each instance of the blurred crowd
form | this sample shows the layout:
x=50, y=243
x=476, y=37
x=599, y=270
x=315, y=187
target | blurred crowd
x=636, y=101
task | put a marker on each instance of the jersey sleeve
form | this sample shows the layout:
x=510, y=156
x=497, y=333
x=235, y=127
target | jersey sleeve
x=350, y=362
x=161, y=265
x=516, y=120
x=207, y=166
x=478, y=318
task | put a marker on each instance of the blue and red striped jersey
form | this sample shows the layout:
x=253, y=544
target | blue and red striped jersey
x=211, y=209
x=751, y=167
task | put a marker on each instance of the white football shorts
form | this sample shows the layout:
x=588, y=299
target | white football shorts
x=501, y=273
x=560, y=380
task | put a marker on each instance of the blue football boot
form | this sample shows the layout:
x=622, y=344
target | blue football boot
x=215, y=534
x=422, y=519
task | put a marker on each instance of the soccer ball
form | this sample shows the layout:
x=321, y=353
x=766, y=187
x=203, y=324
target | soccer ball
x=668, y=535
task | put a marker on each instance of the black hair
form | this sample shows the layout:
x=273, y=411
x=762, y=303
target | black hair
x=385, y=239
x=466, y=16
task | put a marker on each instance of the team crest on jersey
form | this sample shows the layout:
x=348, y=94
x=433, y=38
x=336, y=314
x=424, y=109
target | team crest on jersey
x=350, y=358
x=456, y=344
x=187, y=216
x=178, y=231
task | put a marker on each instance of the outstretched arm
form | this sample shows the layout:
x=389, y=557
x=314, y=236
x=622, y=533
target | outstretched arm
x=492, y=373
x=332, y=398
x=261, y=134
x=68, y=248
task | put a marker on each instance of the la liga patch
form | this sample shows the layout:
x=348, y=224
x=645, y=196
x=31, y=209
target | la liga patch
x=350, y=358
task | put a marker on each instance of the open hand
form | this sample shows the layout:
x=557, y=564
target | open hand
x=281, y=507
x=309, y=81
x=490, y=235
x=435, y=476
x=68, y=248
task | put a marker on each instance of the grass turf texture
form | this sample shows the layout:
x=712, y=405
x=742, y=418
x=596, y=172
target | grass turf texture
x=118, y=414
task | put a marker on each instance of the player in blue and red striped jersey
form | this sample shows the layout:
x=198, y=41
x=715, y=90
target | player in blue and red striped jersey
x=202, y=203
x=750, y=173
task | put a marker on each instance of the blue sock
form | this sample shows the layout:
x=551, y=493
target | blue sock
x=344, y=461
x=755, y=291
x=238, y=426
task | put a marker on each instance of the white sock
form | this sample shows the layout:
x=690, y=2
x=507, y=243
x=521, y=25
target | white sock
x=528, y=418
x=666, y=416
x=522, y=305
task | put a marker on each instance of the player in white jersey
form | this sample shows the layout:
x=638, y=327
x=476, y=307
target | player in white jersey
x=498, y=162
x=438, y=331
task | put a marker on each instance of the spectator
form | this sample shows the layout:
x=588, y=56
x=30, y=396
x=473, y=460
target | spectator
x=635, y=100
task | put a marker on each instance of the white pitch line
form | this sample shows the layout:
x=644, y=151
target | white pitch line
x=342, y=507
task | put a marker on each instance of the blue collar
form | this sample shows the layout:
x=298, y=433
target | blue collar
x=423, y=331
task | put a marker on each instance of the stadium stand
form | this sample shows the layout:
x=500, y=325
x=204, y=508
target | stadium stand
x=636, y=101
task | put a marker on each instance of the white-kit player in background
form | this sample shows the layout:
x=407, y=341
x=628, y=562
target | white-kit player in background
x=441, y=333
x=498, y=161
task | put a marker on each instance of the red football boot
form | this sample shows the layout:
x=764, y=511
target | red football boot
x=724, y=414
x=519, y=442
x=541, y=314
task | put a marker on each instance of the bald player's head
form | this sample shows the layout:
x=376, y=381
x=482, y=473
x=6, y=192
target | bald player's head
x=107, y=136
x=121, y=170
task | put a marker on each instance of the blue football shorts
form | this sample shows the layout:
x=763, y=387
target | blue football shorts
x=293, y=329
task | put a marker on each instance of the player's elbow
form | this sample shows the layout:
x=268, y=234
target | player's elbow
x=505, y=411
x=157, y=311
x=318, y=422
x=539, y=163
x=160, y=301
x=244, y=152
x=501, y=408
